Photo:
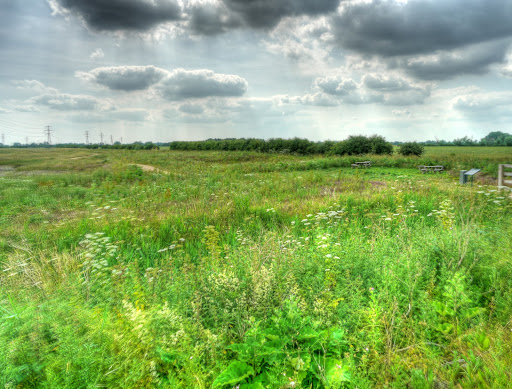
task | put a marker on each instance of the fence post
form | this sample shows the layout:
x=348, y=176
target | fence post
x=462, y=177
x=500, y=176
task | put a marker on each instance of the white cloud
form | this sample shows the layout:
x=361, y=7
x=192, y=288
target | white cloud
x=97, y=54
x=69, y=102
x=181, y=84
x=401, y=112
x=33, y=86
x=388, y=89
x=483, y=102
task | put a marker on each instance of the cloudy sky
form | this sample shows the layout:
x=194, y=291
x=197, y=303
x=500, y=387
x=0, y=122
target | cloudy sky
x=165, y=70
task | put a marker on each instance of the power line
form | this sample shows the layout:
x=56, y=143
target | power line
x=18, y=131
x=111, y=140
x=3, y=138
x=101, y=135
x=15, y=123
x=48, y=131
x=86, y=137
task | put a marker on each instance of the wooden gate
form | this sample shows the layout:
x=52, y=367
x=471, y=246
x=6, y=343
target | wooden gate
x=504, y=176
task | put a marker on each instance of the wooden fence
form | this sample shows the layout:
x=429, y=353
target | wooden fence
x=503, y=175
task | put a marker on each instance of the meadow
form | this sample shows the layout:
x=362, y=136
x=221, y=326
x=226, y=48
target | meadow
x=247, y=270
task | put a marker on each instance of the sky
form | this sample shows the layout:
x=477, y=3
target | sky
x=166, y=70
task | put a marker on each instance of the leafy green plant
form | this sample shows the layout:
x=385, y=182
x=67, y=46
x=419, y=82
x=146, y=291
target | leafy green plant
x=289, y=349
x=455, y=309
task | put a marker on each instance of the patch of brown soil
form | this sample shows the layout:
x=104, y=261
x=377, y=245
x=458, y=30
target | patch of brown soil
x=149, y=168
x=6, y=168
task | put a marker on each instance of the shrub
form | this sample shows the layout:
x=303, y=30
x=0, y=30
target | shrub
x=411, y=148
x=380, y=146
x=355, y=145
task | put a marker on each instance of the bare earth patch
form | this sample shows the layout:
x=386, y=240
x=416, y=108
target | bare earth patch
x=6, y=168
x=149, y=168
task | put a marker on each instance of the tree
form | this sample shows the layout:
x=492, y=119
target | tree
x=411, y=148
x=356, y=145
x=380, y=146
x=495, y=138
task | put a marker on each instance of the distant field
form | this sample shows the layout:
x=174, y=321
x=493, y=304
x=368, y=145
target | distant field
x=246, y=270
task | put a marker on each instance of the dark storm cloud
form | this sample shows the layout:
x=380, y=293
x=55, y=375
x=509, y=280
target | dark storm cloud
x=205, y=18
x=182, y=84
x=267, y=13
x=125, y=78
x=114, y=15
x=212, y=18
x=444, y=65
x=388, y=28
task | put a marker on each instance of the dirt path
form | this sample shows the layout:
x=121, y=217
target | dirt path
x=149, y=168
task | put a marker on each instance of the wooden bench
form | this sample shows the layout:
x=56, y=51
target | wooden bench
x=364, y=164
x=431, y=169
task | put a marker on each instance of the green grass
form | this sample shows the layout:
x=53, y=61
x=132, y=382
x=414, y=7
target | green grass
x=258, y=270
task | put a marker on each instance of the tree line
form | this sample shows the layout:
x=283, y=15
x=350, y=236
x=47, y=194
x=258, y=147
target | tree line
x=495, y=138
x=354, y=145
x=357, y=144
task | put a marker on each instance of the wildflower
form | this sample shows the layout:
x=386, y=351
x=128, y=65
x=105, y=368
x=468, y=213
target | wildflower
x=371, y=289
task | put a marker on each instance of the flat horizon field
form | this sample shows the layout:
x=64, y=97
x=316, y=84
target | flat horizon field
x=167, y=269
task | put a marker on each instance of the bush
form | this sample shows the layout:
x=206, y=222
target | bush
x=360, y=144
x=357, y=145
x=380, y=146
x=411, y=148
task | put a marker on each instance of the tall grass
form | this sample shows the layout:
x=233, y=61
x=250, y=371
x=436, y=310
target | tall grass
x=251, y=270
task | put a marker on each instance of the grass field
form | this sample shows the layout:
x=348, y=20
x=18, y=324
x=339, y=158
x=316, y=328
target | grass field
x=244, y=270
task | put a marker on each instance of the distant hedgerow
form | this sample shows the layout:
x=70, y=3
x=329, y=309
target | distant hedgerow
x=354, y=145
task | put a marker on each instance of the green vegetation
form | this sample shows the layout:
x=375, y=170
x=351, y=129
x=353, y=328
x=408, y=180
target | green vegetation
x=411, y=148
x=354, y=145
x=252, y=270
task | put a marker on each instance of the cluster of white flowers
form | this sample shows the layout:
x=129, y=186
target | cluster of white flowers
x=493, y=195
x=330, y=217
x=98, y=250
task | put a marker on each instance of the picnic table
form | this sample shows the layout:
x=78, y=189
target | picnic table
x=431, y=169
x=364, y=164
